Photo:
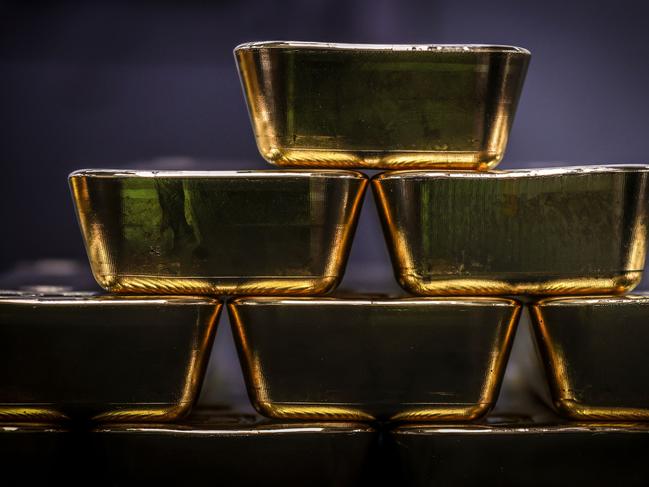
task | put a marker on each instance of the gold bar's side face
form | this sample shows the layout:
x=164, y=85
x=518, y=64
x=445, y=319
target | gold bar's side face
x=401, y=360
x=521, y=454
x=546, y=232
x=254, y=232
x=390, y=108
x=594, y=351
x=103, y=359
x=247, y=453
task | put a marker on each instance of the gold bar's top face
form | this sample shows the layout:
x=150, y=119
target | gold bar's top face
x=637, y=298
x=240, y=174
x=341, y=46
x=381, y=106
x=575, y=230
x=525, y=429
x=78, y=300
x=594, y=350
x=270, y=429
x=231, y=232
x=378, y=301
x=106, y=358
x=313, y=358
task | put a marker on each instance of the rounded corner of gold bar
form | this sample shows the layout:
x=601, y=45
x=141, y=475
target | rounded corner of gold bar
x=244, y=46
x=413, y=284
x=573, y=410
x=264, y=408
x=76, y=174
x=626, y=282
x=109, y=283
x=479, y=411
x=376, y=179
x=487, y=161
x=31, y=414
x=324, y=285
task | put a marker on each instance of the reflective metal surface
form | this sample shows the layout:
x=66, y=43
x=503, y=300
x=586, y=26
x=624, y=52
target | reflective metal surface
x=234, y=452
x=521, y=454
x=257, y=232
x=37, y=454
x=365, y=359
x=381, y=107
x=595, y=353
x=579, y=230
x=103, y=358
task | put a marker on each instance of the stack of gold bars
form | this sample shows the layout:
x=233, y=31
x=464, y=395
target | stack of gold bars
x=360, y=389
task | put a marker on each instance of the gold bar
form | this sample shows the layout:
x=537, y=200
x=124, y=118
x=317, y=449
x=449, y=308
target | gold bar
x=365, y=359
x=235, y=452
x=517, y=454
x=575, y=230
x=222, y=232
x=103, y=358
x=381, y=107
x=595, y=353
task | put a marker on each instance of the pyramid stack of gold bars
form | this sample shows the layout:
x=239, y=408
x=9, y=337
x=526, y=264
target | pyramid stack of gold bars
x=472, y=246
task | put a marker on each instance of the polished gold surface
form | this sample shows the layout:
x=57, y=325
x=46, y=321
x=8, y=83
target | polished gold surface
x=257, y=232
x=595, y=353
x=365, y=359
x=212, y=449
x=576, y=230
x=520, y=453
x=234, y=451
x=104, y=358
x=381, y=107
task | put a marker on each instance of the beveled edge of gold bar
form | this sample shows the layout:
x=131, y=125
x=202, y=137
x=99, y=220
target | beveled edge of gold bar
x=122, y=284
x=207, y=429
x=336, y=46
x=374, y=301
x=382, y=160
x=261, y=173
x=320, y=411
x=513, y=173
x=599, y=299
x=533, y=428
x=71, y=298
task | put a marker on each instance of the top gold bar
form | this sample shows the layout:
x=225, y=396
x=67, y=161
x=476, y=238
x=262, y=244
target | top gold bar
x=381, y=106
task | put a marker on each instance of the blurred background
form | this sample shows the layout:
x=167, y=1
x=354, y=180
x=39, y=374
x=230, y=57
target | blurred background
x=153, y=84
